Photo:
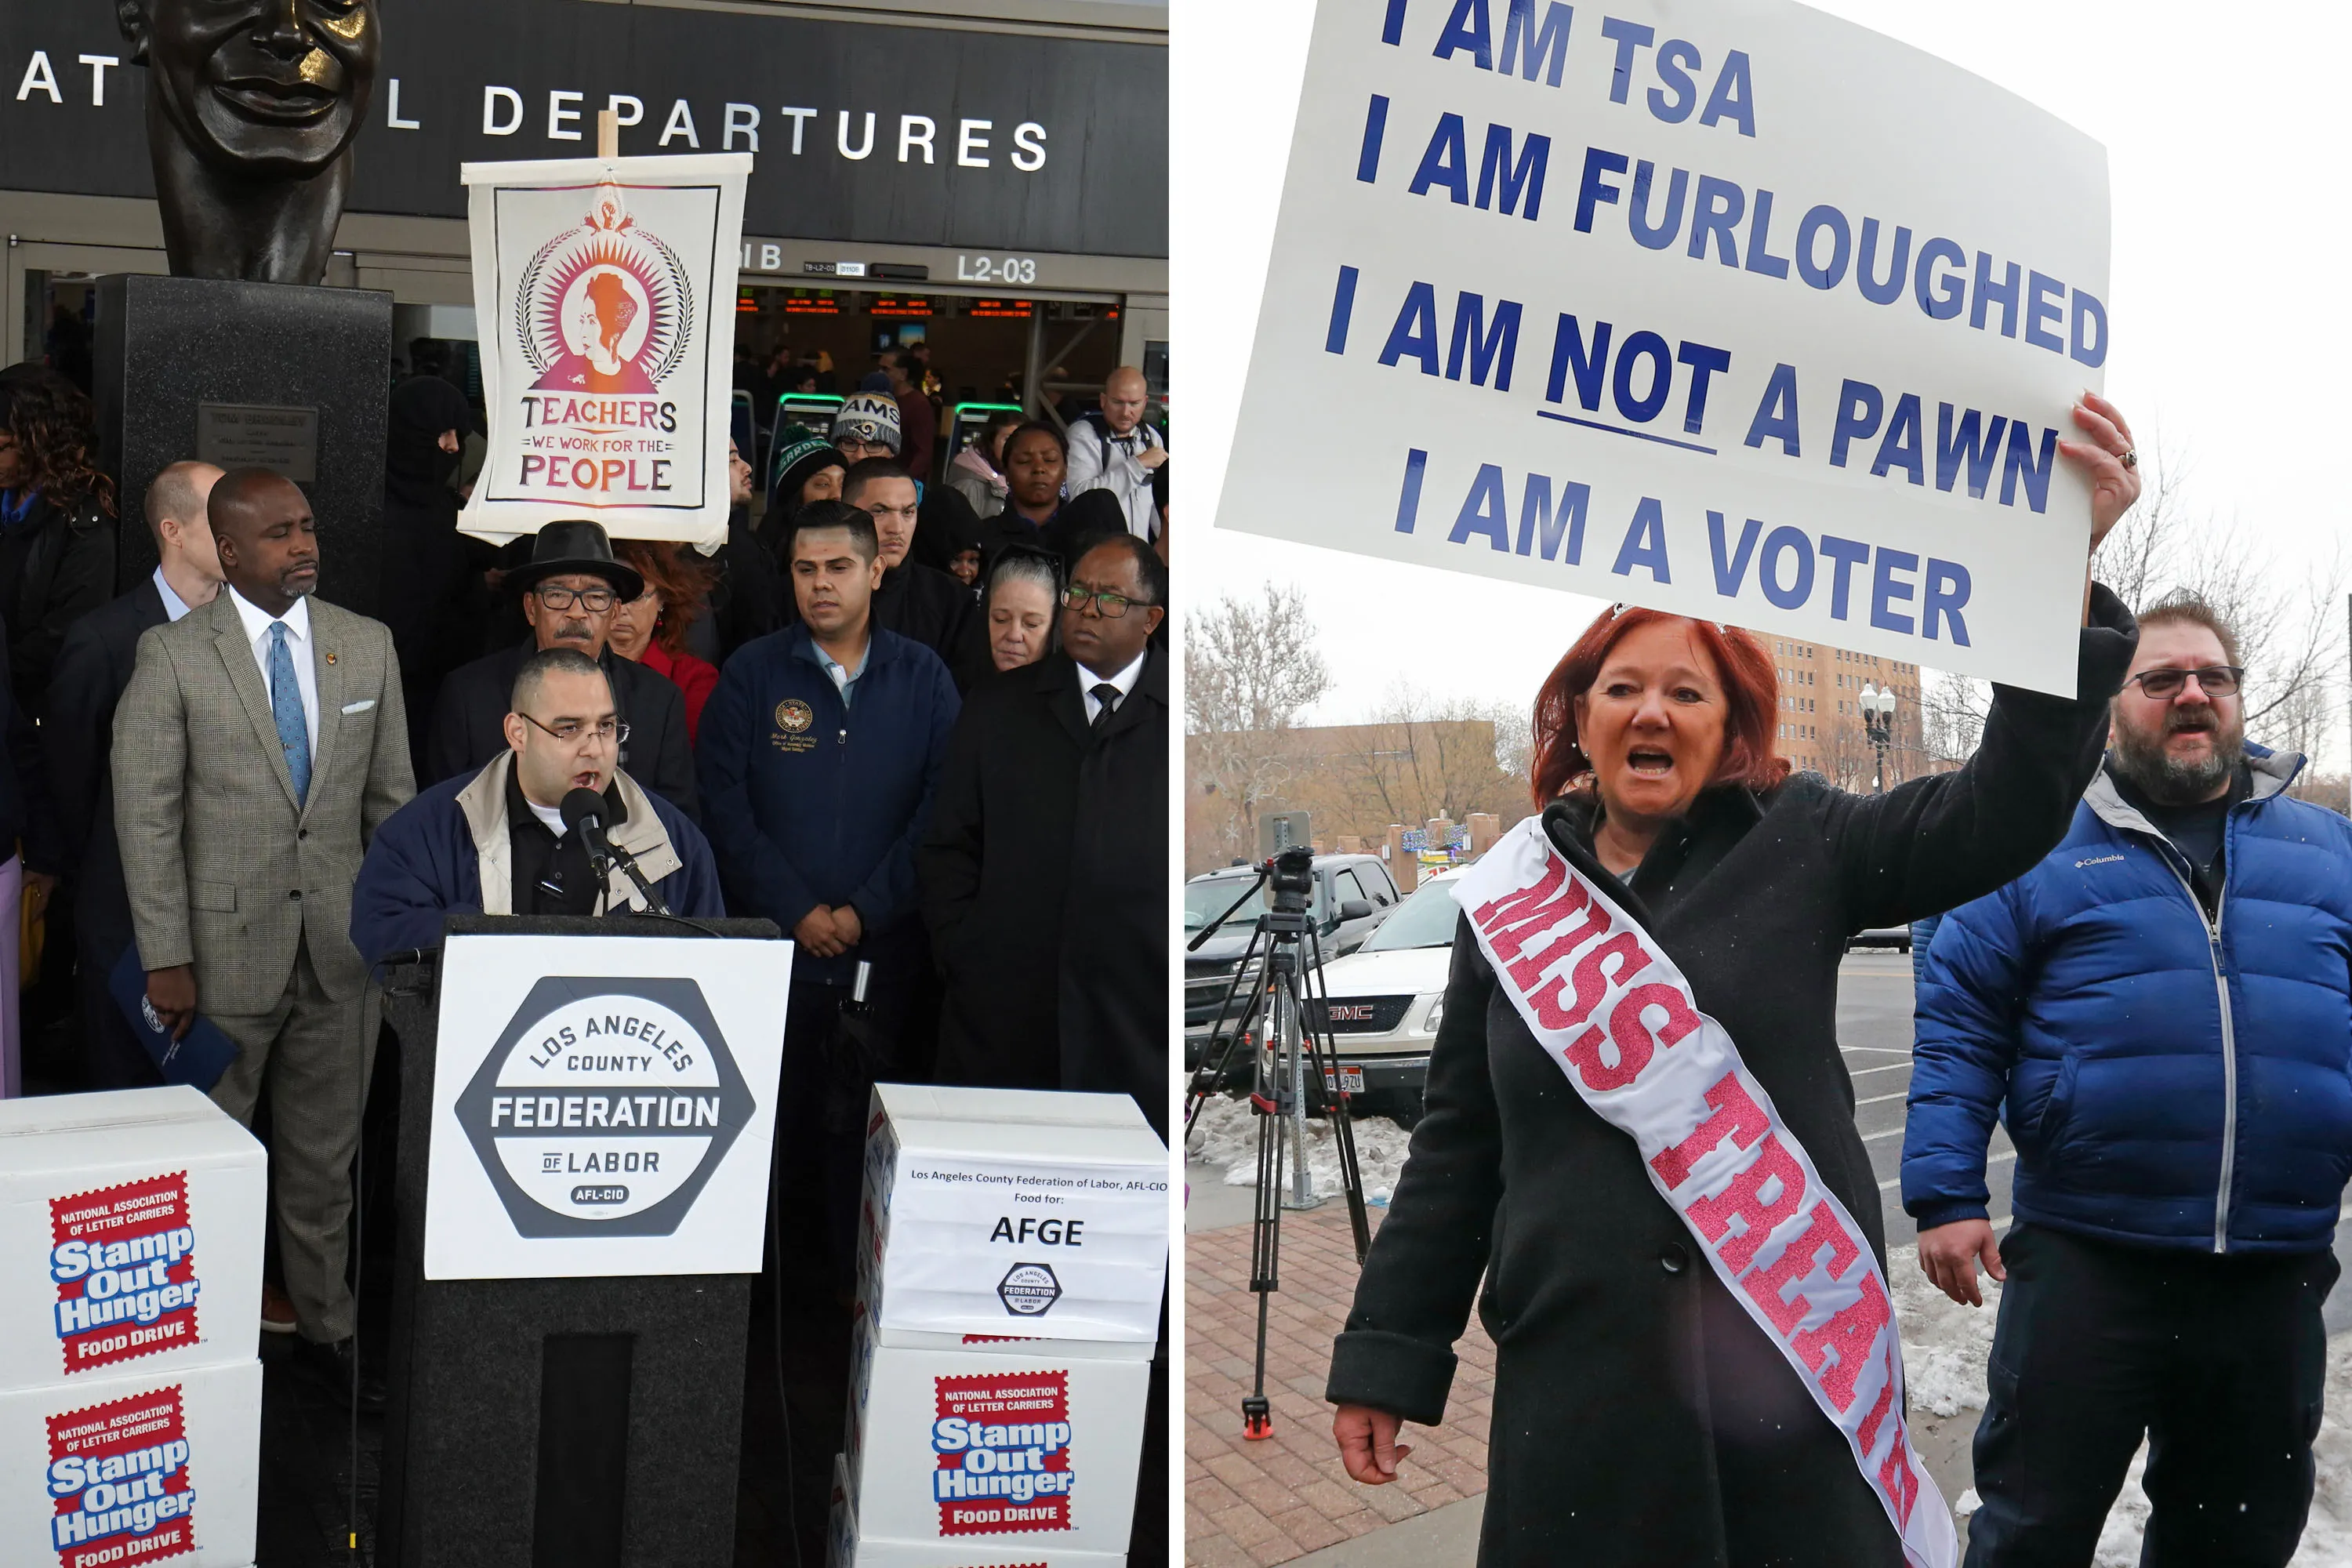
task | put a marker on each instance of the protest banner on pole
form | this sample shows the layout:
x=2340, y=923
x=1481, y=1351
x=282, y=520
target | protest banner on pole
x=606, y=289
x=1740, y=311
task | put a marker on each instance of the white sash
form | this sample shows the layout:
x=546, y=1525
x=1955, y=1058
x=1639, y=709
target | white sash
x=1618, y=1018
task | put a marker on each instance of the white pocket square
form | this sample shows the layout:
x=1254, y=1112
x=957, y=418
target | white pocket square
x=362, y=706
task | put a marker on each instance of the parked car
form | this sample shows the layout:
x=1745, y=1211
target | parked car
x=1387, y=999
x=1353, y=894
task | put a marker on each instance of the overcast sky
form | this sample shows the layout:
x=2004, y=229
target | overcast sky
x=2231, y=293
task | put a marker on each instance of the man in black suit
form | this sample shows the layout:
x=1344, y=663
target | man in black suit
x=92, y=667
x=1044, y=878
x=568, y=590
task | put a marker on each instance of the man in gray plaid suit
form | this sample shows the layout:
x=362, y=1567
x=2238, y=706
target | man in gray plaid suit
x=259, y=746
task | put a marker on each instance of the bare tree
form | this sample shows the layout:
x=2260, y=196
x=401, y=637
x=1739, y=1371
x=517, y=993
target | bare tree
x=1250, y=669
x=2135, y=558
x=2286, y=618
x=1952, y=716
x=2285, y=614
x=1425, y=757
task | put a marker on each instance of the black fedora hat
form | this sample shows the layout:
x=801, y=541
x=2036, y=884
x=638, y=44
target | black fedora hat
x=575, y=546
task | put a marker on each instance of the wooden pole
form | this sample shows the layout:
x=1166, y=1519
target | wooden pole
x=608, y=134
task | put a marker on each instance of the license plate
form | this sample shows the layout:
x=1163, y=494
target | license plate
x=1351, y=1080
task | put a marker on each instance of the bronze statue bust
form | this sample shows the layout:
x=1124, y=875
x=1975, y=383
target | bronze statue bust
x=251, y=108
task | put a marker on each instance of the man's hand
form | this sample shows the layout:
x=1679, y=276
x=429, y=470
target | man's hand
x=816, y=933
x=40, y=887
x=1152, y=458
x=172, y=993
x=1368, y=1443
x=848, y=929
x=1948, y=1254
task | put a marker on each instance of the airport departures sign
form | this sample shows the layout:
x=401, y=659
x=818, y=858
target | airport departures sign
x=603, y=1105
x=1740, y=311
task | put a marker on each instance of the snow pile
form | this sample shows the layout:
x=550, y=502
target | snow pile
x=1227, y=1136
x=1945, y=1346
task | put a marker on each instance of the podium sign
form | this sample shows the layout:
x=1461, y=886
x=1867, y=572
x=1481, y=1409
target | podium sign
x=603, y=1106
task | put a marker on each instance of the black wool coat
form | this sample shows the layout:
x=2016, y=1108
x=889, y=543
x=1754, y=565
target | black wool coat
x=56, y=567
x=85, y=684
x=470, y=724
x=1044, y=887
x=1640, y=1417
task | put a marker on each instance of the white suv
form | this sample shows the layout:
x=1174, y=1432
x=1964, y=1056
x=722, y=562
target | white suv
x=1388, y=997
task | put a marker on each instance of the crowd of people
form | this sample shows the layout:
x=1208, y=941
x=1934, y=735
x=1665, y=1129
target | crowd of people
x=932, y=751
x=2146, y=974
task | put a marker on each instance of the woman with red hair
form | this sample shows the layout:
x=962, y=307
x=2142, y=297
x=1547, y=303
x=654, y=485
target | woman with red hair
x=651, y=628
x=1642, y=1414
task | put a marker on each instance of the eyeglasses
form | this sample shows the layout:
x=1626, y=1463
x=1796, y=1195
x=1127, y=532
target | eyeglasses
x=1111, y=605
x=595, y=601
x=2214, y=680
x=569, y=730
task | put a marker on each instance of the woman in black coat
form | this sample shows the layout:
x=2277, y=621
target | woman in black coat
x=432, y=594
x=57, y=522
x=1641, y=1415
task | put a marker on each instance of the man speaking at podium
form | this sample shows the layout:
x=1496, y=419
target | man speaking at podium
x=512, y=840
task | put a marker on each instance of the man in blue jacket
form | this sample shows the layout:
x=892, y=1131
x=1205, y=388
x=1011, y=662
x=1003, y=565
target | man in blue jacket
x=495, y=842
x=820, y=752
x=2161, y=1014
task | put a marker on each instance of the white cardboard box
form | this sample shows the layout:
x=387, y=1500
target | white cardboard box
x=992, y=1448
x=152, y=1461
x=1022, y=1214
x=847, y=1548
x=130, y=1236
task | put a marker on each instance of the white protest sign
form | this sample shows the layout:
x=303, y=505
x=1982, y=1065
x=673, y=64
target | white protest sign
x=603, y=1105
x=607, y=294
x=1736, y=310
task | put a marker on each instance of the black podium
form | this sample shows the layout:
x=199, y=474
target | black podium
x=570, y=1423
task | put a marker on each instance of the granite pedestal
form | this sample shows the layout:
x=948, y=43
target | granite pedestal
x=589, y=1422
x=293, y=378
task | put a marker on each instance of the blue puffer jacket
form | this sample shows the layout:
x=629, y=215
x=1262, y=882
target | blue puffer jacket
x=2167, y=1084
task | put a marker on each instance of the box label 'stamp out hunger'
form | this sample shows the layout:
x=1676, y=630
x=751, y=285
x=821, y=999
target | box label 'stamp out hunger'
x=1004, y=1446
x=123, y=1261
x=119, y=1472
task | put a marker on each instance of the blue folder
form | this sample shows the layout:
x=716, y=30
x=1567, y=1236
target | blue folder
x=196, y=1058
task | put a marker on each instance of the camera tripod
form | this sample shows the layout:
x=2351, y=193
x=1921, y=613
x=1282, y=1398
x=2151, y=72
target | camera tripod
x=1294, y=1074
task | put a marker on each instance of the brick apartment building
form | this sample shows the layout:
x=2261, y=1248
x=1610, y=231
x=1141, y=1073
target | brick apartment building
x=1820, y=714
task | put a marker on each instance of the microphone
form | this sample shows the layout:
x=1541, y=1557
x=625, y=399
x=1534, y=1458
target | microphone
x=583, y=814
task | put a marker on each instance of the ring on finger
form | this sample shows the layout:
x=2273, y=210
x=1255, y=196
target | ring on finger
x=2131, y=458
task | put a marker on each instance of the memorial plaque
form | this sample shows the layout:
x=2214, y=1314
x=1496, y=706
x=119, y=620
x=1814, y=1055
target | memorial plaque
x=255, y=436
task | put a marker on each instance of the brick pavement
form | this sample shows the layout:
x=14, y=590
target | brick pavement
x=1254, y=1503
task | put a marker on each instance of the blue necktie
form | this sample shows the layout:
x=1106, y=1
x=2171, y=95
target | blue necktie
x=285, y=707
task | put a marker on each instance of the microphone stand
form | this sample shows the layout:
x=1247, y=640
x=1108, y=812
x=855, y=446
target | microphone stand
x=628, y=863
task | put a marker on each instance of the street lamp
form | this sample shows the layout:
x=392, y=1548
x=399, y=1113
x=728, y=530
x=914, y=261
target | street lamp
x=1878, y=722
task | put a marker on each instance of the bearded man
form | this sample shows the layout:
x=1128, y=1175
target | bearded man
x=2161, y=1014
